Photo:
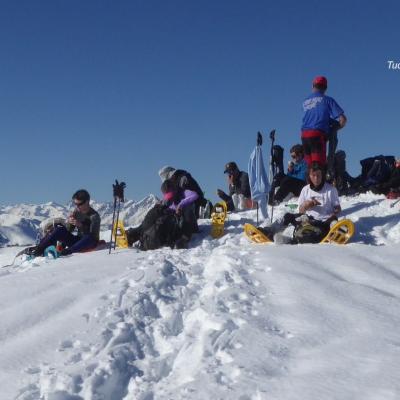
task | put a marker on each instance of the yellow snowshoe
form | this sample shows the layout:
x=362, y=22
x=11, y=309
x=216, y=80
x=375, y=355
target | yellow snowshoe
x=119, y=234
x=340, y=233
x=255, y=235
x=218, y=217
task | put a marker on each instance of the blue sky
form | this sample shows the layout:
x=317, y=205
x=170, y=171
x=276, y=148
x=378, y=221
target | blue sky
x=96, y=90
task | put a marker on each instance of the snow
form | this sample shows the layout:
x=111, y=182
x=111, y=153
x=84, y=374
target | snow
x=225, y=319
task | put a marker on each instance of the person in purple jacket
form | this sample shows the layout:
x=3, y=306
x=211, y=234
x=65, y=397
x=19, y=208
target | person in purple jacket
x=170, y=222
x=294, y=180
x=182, y=201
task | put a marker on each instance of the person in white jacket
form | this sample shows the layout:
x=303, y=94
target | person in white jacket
x=319, y=206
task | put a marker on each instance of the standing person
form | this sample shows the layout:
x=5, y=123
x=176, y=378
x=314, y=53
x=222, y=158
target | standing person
x=294, y=180
x=239, y=197
x=84, y=219
x=319, y=109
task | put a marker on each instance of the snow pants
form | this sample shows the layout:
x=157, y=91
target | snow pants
x=74, y=243
x=314, y=144
x=288, y=184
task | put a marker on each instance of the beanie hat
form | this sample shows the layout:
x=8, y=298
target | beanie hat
x=166, y=173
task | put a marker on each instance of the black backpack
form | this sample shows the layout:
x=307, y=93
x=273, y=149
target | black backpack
x=191, y=183
x=277, y=160
x=312, y=230
x=160, y=227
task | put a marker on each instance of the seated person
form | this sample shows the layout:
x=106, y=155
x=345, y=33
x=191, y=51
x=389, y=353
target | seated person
x=318, y=206
x=239, y=197
x=84, y=219
x=392, y=184
x=184, y=180
x=171, y=223
x=293, y=181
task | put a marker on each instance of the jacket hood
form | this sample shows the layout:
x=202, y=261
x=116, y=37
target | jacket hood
x=166, y=173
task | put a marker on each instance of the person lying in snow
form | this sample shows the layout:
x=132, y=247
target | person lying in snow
x=170, y=223
x=84, y=219
x=318, y=207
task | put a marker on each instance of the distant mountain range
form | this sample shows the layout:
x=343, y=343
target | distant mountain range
x=19, y=223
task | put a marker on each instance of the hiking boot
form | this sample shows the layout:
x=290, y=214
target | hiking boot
x=133, y=235
x=37, y=252
x=65, y=252
x=182, y=243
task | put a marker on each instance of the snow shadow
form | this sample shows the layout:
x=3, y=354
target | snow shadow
x=360, y=206
x=366, y=228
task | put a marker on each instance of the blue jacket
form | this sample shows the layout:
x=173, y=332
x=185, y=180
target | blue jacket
x=299, y=170
x=318, y=110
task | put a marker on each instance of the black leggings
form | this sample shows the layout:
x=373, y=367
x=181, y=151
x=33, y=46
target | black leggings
x=289, y=185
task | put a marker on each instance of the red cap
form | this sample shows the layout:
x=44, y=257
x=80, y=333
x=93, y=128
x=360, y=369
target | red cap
x=320, y=80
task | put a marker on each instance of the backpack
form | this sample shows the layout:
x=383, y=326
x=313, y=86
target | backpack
x=307, y=233
x=160, y=227
x=310, y=230
x=367, y=163
x=190, y=182
x=340, y=171
x=277, y=160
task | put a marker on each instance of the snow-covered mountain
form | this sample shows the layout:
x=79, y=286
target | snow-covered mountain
x=224, y=319
x=19, y=223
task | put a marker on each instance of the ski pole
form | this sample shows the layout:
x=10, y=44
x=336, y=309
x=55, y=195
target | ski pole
x=272, y=169
x=112, y=225
x=116, y=223
x=394, y=203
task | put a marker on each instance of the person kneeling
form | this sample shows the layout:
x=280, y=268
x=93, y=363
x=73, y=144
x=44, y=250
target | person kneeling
x=318, y=207
x=84, y=219
x=170, y=223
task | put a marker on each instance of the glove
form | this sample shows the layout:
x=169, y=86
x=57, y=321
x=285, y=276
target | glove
x=221, y=193
x=118, y=190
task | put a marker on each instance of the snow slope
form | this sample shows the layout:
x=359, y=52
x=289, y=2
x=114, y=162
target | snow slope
x=225, y=319
x=19, y=223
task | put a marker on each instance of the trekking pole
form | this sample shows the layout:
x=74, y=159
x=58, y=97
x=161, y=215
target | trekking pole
x=259, y=143
x=118, y=193
x=394, y=203
x=272, y=168
x=116, y=223
x=112, y=225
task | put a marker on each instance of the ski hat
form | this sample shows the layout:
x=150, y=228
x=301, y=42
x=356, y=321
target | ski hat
x=166, y=173
x=231, y=167
x=321, y=81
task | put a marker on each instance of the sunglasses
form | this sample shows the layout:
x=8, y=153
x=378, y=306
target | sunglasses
x=295, y=155
x=79, y=204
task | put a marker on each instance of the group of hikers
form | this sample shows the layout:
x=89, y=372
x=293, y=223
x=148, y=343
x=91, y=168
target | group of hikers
x=314, y=177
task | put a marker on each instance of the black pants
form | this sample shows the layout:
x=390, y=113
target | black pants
x=228, y=200
x=290, y=219
x=288, y=184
